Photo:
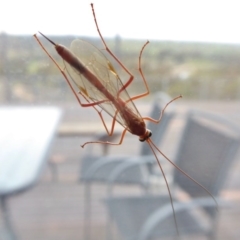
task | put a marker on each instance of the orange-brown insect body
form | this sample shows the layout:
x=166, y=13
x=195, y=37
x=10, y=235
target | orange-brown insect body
x=134, y=124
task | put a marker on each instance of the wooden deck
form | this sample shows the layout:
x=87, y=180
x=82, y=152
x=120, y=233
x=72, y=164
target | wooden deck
x=53, y=210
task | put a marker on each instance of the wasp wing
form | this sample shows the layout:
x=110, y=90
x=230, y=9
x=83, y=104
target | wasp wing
x=96, y=62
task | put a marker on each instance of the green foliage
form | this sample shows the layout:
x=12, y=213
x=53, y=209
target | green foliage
x=195, y=70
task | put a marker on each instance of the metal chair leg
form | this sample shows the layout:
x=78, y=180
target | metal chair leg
x=87, y=212
x=8, y=231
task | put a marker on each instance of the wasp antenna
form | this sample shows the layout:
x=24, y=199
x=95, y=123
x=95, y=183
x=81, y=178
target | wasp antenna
x=48, y=39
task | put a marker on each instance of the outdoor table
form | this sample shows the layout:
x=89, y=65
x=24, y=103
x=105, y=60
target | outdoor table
x=26, y=134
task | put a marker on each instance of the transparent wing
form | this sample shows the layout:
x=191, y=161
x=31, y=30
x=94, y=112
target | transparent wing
x=93, y=59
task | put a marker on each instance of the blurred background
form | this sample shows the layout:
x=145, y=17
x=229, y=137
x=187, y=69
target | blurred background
x=194, y=51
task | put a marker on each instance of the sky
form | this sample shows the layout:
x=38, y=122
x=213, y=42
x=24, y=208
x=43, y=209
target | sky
x=175, y=20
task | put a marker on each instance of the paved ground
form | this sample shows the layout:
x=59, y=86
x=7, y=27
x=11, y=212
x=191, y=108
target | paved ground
x=54, y=209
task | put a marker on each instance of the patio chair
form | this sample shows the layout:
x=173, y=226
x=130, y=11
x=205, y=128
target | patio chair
x=206, y=152
x=95, y=169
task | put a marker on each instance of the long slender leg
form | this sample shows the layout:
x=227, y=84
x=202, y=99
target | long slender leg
x=142, y=75
x=110, y=143
x=121, y=64
x=162, y=112
x=111, y=53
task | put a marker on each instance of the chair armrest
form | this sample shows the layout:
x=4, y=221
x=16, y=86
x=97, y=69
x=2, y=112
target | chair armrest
x=101, y=163
x=162, y=213
x=126, y=165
